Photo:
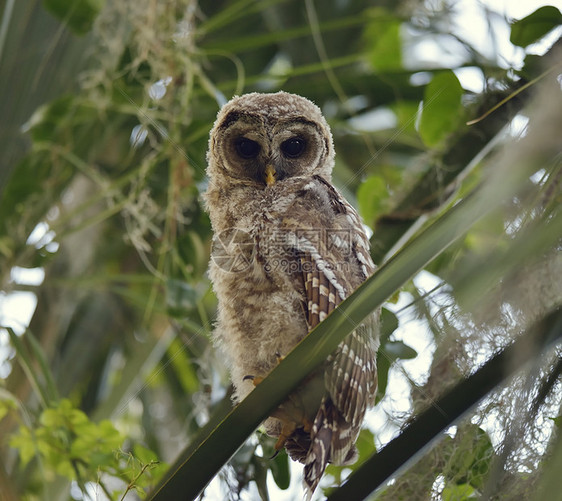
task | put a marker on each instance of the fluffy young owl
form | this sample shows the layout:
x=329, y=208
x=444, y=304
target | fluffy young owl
x=287, y=249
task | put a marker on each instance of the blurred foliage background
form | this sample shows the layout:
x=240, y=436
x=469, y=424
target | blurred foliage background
x=107, y=370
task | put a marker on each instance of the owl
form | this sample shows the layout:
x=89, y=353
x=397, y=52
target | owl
x=287, y=249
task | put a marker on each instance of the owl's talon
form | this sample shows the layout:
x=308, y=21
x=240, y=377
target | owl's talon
x=255, y=379
x=286, y=431
x=307, y=425
x=280, y=443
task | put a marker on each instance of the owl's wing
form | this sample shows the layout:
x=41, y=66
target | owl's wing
x=332, y=267
x=351, y=371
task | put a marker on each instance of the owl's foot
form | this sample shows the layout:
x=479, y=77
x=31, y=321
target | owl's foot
x=307, y=425
x=287, y=430
x=255, y=379
x=258, y=379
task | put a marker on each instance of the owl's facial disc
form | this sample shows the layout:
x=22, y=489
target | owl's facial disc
x=267, y=151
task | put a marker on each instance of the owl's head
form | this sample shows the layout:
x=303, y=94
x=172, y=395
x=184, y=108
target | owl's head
x=263, y=139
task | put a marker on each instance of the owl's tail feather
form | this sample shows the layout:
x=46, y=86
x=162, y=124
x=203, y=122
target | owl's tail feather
x=332, y=441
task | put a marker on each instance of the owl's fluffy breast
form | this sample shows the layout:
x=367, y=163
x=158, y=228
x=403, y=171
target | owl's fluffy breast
x=255, y=266
x=260, y=312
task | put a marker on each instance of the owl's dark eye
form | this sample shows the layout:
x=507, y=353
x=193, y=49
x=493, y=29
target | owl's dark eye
x=293, y=147
x=247, y=148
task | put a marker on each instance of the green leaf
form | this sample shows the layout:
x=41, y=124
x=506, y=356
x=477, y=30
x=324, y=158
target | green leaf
x=8, y=403
x=383, y=366
x=280, y=470
x=397, y=349
x=144, y=454
x=260, y=478
x=532, y=28
x=389, y=323
x=78, y=15
x=143, y=467
x=370, y=198
x=24, y=443
x=383, y=40
x=64, y=436
x=406, y=112
x=50, y=418
x=183, y=366
x=389, y=352
x=459, y=492
x=279, y=465
x=442, y=108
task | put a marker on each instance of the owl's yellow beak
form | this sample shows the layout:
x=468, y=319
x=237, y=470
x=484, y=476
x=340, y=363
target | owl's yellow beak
x=269, y=175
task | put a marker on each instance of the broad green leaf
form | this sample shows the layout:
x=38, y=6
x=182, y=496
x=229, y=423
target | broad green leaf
x=453, y=492
x=78, y=15
x=281, y=471
x=24, y=443
x=406, y=112
x=397, y=349
x=260, y=478
x=50, y=418
x=279, y=465
x=533, y=65
x=64, y=468
x=144, y=454
x=389, y=352
x=383, y=366
x=183, y=366
x=442, y=108
x=144, y=467
x=383, y=40
x=532, y=28
x=389, y=323
x=370, y=197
